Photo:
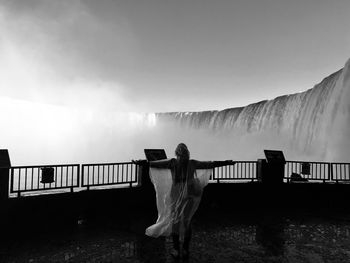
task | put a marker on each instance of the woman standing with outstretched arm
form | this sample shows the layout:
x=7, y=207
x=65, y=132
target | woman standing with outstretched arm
x=179, y=184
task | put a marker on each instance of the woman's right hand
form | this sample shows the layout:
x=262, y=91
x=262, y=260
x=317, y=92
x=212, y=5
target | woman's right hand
x=139, y=162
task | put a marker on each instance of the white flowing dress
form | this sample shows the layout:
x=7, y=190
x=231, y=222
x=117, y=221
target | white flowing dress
x=177, y=200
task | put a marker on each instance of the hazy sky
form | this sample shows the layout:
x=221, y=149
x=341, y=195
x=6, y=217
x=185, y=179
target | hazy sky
x=162, y=55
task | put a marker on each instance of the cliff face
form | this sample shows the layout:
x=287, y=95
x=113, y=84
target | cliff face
x=315, y=122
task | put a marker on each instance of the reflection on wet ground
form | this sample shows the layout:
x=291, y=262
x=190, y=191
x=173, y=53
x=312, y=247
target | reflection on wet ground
x=219, y=237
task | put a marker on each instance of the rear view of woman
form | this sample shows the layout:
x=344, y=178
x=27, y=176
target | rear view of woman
x=179, y=184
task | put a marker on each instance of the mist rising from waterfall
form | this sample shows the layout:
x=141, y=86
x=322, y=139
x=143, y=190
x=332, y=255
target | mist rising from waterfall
x=311, y=125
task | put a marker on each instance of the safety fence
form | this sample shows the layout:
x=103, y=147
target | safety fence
x=75, y=177
x=318, y=171
x=107, y=174
x=242, y=170
x=44, y=178
x=70, y=177
x=340, y=172
x=313, y=171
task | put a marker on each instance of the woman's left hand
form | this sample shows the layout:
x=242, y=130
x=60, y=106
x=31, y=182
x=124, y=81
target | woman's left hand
x=230, y=162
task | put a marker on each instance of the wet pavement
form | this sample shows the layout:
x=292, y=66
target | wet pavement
x=217, y=237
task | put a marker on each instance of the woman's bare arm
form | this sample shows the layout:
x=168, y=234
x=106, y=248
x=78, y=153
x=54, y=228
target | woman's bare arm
x=202, y=165
x=223, y=163
x=212, y=164
x=166, y=163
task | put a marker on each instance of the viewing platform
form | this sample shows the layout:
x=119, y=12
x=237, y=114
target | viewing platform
x=218, y=236
x=99, y=212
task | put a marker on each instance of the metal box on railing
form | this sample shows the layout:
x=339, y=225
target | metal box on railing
x=47, y=175
x=271, y=169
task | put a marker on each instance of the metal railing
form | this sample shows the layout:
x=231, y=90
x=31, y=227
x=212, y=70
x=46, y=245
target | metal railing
x=340, y=172
x=314, y=171
x=43, y=178
x=26, y=179
x=241, y=170
x=107, y=174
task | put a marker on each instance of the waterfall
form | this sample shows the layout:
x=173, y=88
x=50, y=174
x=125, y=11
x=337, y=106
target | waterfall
x=312, y=125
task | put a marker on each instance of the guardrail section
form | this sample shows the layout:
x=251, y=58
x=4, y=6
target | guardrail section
x=314, y=171
x=241, y=170
x=43, y=178
x=340, y=172
x=106, y=174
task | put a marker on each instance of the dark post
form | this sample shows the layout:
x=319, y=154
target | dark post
x=270, y=173
x=271, y=169
x=5, y=166
x=146, y=189
x=144, y=178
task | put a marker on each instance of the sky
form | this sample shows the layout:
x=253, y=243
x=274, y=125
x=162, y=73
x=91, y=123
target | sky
x=163, y=55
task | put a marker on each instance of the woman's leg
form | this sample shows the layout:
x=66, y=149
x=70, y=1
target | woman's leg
x=174, y=216
x=176, y=241
x=187, y=238
x=176, y=233
x=188, y=211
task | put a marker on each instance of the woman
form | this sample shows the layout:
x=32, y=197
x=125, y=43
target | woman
x=179, y=185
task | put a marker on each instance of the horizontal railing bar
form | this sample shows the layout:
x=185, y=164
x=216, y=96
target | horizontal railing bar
x=312, y=179
x=42, y=189
x=307, y=162
x=46, y=165
x=238, y=179
x=123, y=182
x=237, y=162
x=100, y=164
x=93, y=185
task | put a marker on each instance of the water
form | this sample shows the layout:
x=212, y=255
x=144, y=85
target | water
x=313, y=125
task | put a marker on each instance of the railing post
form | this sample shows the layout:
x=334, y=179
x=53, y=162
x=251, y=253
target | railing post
x=217, y=179
x=78, y=176
x=12, y=181
x=5, y=166
x=82, y=175
x=325, y=178
x=4, y=183
x=137, y=175
x=336, y=171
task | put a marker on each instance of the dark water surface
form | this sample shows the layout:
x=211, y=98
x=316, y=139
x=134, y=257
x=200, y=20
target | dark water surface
x=217, y=237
